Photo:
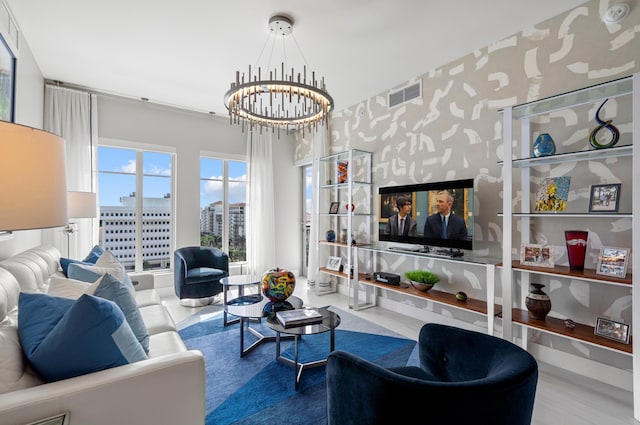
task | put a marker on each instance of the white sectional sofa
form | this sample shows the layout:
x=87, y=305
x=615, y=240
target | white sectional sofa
x=166, y=388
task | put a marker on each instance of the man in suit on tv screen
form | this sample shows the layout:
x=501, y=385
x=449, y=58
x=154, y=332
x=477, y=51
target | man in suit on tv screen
x=401, y=223
x=444, y=224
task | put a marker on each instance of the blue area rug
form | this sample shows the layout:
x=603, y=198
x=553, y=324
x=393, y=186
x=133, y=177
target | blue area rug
x=257, y=389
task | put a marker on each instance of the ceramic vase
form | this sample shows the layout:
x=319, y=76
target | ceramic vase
x=576, y=248
x=537, y=302
x=331, y=236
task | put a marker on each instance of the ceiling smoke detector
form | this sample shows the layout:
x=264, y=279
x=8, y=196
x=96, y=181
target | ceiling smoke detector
x=616, y=13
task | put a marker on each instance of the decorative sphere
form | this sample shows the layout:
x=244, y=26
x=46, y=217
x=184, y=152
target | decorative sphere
x=278, y=284
x=331, y=236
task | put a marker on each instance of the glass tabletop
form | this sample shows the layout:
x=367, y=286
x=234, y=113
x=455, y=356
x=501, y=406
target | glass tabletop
x=330, y=321
x=240, y=280
x=252, y=306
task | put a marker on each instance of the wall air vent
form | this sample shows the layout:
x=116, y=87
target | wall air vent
x=405, y=94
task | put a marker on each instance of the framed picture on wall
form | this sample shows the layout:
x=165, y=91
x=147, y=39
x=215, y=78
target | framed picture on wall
x=7, y=81
x=611, y=329
x=605, y=197
x=613, y=261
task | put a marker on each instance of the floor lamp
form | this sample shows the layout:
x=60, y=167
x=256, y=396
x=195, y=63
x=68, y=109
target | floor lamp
x=81, y=205
x=33, y=193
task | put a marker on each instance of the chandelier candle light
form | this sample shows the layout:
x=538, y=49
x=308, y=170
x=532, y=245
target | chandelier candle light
x=283, y=101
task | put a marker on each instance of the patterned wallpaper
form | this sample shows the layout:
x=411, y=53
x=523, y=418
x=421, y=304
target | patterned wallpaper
x=455, y=131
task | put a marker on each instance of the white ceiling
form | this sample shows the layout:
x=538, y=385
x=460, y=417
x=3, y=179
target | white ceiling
x=185, y=53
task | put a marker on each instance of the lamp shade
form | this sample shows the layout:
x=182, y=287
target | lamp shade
x=82, y=204
x=33, y=188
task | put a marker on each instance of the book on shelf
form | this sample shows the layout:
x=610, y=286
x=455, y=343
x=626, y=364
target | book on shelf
x=299, y=317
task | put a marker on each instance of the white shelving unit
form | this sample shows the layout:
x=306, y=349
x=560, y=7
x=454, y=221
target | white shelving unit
x=523, y=163
x=369, y=256
x=352, y=189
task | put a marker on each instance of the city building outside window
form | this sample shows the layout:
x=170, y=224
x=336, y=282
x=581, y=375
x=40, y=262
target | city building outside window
x=136, y=229
x=223, y=202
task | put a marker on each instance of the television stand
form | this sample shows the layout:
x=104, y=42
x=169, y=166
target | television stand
x=444, y=253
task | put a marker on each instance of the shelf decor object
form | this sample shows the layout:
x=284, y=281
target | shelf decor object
x=576, y=248
x=544, y=146
x=343, y=171
x=605, y=197
x=331, y=235
x=611, y=329
x=422, y=280
x=553, y=194
x=333, y=209
x=538, y=302
x=604, y=140
x=613, y=261
x=536, y=255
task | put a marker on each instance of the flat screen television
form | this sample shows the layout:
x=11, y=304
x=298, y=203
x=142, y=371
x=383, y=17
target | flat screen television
x=422, y=226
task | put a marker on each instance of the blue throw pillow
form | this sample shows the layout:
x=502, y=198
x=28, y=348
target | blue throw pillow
x=114, y=290
x=94, y=254
x=63, y=338
x=64, y=263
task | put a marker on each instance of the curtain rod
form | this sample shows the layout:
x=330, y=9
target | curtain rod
x=62, y=84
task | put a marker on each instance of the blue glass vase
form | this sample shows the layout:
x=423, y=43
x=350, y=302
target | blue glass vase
x=544, y=146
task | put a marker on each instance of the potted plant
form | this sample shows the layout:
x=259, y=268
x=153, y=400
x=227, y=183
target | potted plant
x=422, y=280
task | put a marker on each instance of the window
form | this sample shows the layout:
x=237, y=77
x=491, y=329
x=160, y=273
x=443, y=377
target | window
x=122, y=173
x=223, y=202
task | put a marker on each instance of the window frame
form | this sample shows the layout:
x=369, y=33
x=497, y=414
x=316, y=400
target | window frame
x=140, y=149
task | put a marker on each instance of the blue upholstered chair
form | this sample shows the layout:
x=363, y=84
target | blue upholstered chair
x=464, y=377
x=197, y=273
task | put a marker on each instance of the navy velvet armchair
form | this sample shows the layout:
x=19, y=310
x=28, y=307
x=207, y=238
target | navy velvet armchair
x=197, y=273
x=464, y=377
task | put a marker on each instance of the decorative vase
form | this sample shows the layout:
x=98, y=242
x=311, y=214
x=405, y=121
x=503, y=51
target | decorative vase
x=343, y=236
x=277, y=286
x=538, y=303
x=343, y=171
x=544, y=146
x=576, y=248
x=331, y=236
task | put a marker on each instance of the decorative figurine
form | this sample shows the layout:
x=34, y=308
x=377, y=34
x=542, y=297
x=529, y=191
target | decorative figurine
x=606, y=140
x=544, y=146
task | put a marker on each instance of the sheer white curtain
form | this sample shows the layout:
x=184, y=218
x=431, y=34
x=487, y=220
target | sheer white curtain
x=261, y=246
x=72, y=115
x=320, y=149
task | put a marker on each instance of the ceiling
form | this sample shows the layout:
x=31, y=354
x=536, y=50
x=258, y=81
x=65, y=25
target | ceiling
x=186, y=53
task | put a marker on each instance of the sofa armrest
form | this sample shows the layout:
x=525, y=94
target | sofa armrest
x=142, y=281
x=164, y=390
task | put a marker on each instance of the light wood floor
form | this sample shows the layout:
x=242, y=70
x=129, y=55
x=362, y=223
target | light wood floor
x=562, y=398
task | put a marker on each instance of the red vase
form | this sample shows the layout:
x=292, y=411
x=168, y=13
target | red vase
x=576, y=248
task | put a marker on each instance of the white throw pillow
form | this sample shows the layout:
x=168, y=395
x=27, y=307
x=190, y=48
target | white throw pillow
x=68, y=288
x=107, y=263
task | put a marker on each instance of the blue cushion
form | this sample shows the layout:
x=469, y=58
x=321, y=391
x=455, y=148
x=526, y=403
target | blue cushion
x=107, y=263
x=114, y=290
x=64, y=263
x=94, y=254
x=63, y=338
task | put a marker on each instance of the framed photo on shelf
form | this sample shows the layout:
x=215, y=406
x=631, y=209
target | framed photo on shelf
x=605, y=197
x=333, y=209
x=536, y=255
x=334, y=263
x=611, y=329
x=613, y=261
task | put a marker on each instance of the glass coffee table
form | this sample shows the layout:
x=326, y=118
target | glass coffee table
x=251, y=308
x=240, y=281
x=330, y=321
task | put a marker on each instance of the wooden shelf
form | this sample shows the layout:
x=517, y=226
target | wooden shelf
x=587, y=274
x=581, y=332
x=333, y=272
x=471, y=304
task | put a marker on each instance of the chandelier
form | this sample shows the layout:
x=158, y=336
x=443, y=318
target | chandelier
x=279, y=99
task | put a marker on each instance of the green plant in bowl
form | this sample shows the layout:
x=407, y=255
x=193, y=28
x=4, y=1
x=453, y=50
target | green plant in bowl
x=422, y=280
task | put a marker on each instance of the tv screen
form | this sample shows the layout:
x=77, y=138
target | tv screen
x=438, y=215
